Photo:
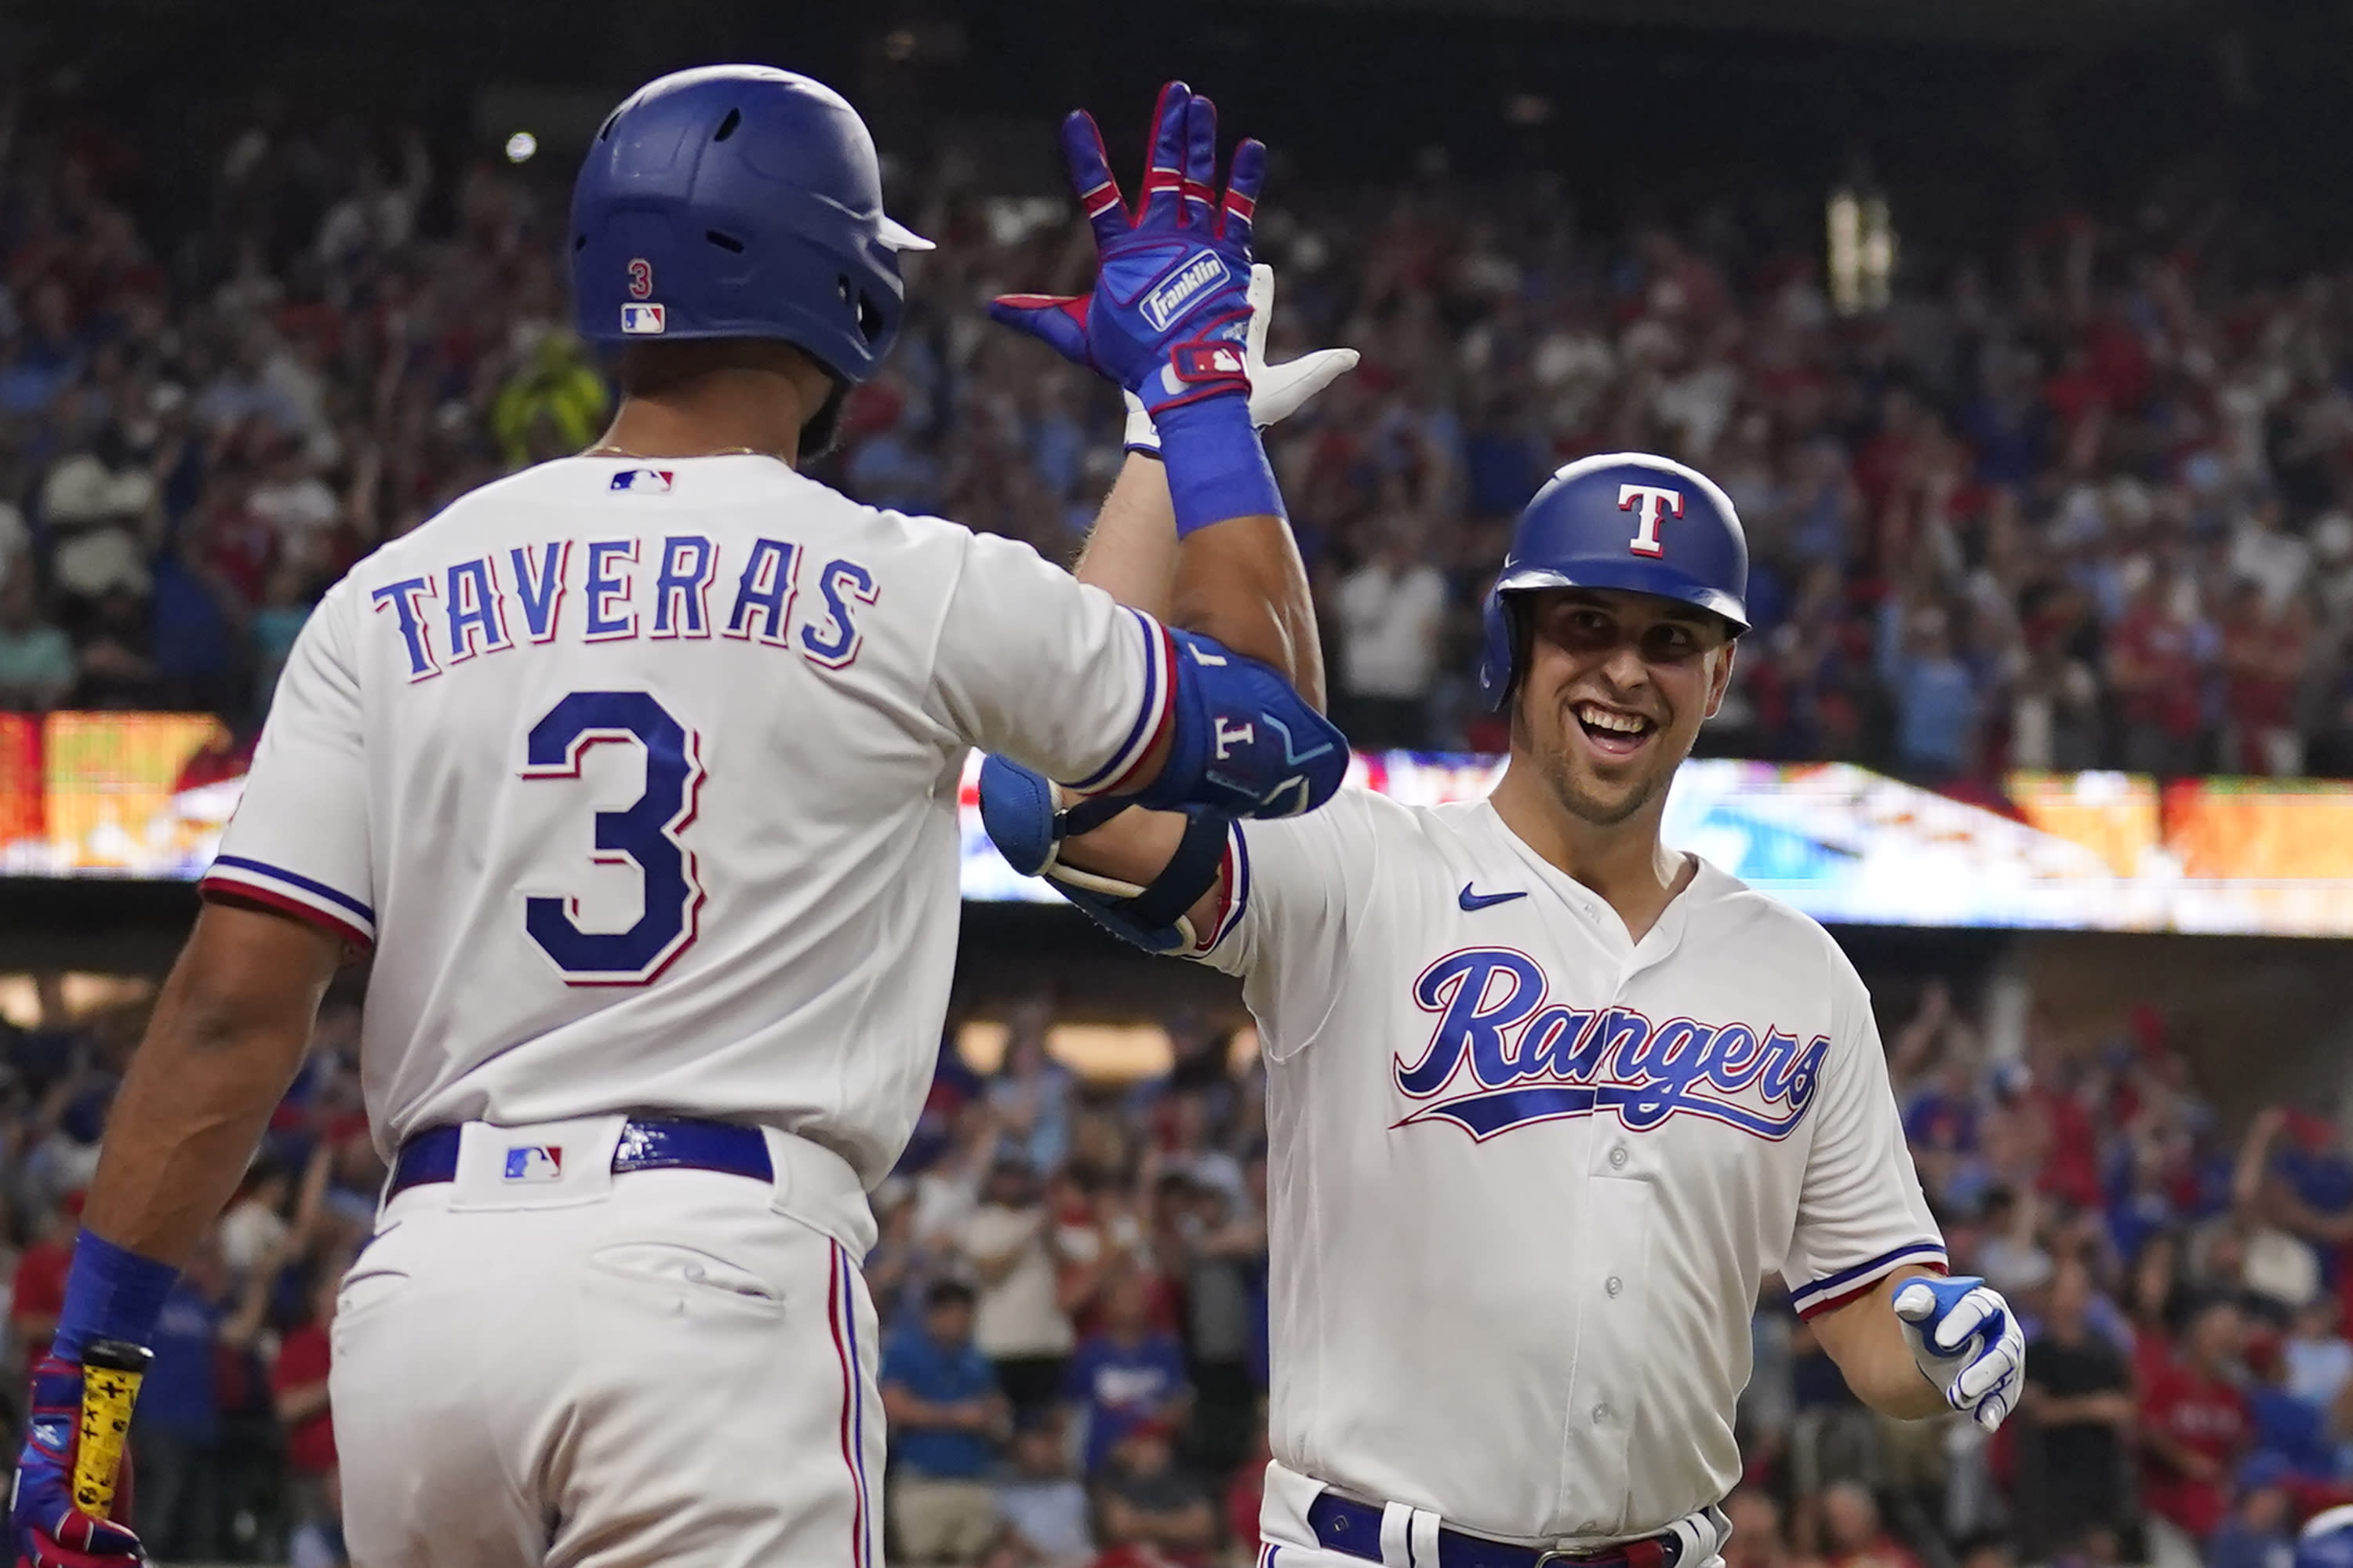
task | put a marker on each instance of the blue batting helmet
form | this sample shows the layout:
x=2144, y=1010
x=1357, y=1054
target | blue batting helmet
x=2326, y=1540
x=1621, y=520
x=738, y=201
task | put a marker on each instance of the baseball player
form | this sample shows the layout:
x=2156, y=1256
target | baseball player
x=1546, y=1100
x=638, y=770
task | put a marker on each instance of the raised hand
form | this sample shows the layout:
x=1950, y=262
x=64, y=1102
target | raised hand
x=1168, y=318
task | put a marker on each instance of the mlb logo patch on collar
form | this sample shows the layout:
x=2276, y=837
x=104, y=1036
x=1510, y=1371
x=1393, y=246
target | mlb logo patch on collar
x=647, y=481
x=534, y=1162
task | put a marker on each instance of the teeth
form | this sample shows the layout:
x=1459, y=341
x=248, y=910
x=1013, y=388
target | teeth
x=1617, y=723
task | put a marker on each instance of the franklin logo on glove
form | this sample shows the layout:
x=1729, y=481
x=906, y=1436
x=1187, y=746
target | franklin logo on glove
x=1166, y=305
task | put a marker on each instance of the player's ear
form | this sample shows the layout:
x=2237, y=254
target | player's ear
x=1719, y=680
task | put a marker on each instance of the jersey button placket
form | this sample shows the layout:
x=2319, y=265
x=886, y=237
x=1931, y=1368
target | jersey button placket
x=1613, y=1285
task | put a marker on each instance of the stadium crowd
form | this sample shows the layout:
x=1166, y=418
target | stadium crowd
x=2081, y=501
x=2081, y=504
x=1070, y=1280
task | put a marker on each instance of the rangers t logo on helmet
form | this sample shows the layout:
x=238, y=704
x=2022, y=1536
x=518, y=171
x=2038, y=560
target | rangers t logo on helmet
x=1573, y=534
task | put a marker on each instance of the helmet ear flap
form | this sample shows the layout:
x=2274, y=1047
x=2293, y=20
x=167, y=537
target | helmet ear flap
x=1504, y=659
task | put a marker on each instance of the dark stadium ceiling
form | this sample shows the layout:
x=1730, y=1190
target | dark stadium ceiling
x=2013, y=22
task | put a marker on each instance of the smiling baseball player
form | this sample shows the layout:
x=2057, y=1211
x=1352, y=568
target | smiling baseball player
x=1546, y=1100
x=639, y=772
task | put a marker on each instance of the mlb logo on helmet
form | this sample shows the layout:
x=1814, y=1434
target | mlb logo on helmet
x=644, y=480
x=534, y=1162
x=644, y=321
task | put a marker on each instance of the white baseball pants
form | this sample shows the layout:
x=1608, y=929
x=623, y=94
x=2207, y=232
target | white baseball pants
x=586, y=1371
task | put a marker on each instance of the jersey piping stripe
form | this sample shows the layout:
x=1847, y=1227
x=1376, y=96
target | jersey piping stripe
x=291, y=879
x=1152, y=717
x=1835, y=1289
x=1237, y=869
x=841, y=1310
x=309, y=913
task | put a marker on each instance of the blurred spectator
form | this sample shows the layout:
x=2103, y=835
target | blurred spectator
x=2259, y=1533
x=37, y=662
x=298, y=1383
x=1936, y=700
x=1147, y=1502
x=38, y=1293
x=1019, y=1324
x=176, y=1434
x=2194, y=1430
x=1853, y=1536
x=1126, y=1372
x=101, y=507
x=2077, y=1418
x=946, y=1413
x=1030, y=1094
x=1757, y=1540
x=284, y=610
x=1042, y=1505
x=1389, y=613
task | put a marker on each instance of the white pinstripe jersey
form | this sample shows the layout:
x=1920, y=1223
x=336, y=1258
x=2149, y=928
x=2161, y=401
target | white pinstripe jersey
x=745, y=907
x=1527, y=1176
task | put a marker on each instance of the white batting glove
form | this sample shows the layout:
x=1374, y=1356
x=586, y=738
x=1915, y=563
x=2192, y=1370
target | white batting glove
x=1276, y=390
x=1965, y=1339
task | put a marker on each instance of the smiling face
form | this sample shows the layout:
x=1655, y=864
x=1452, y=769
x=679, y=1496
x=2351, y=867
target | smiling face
x=1616, y=687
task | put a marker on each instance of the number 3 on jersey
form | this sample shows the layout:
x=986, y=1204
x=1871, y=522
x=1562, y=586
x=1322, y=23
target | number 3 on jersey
x=644, y=835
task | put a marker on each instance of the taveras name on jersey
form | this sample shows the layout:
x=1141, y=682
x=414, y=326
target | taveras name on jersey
x=642, y=781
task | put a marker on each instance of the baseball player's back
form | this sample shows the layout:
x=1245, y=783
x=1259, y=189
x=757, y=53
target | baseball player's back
x=639, y=774
x=667, y=750
x=1487, y=1105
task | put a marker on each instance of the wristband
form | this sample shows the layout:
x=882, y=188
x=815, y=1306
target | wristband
x=112, y=1293
x=1216, y=468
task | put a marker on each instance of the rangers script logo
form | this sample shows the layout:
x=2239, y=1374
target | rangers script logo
x=1502, y=1057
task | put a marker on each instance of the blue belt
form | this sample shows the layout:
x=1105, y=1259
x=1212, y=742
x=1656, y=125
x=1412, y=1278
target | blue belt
x=1342, y=1524
x=645, y=1145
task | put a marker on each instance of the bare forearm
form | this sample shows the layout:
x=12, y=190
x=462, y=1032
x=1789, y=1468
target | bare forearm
x=229, y=1030
x=1866, y=1339
x=1239, y=581
x=1131, y=552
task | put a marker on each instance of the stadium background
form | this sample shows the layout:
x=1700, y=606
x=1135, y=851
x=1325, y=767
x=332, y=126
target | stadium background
x=272, y=287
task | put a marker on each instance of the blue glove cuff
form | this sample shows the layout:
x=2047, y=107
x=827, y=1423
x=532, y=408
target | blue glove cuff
x=112, y=1293
x=1217, y=467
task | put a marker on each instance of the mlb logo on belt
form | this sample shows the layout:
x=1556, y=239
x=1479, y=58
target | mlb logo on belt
x=651, y=481
x=644, y=321
x=534, y=1162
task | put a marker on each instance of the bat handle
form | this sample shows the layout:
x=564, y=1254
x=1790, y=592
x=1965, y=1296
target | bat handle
x=112, y=1372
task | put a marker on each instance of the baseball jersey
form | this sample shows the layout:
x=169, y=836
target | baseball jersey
x=641, y=780
x=1527, y=1175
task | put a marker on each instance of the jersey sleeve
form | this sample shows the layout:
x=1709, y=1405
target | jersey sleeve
x=1861, y=1212
x=1036, y=666
x=1293, y=889
x=298, y=842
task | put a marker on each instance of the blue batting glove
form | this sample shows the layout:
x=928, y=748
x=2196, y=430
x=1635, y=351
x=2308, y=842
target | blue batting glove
x=49, y=1532
x=1169, y=312
x=1965, y=1338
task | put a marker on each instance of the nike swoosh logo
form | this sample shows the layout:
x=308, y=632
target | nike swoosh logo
x=1471, y=900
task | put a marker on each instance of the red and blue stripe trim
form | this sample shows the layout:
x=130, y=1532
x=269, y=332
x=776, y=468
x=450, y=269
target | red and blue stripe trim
x=291, y=893
x=1154, y=715
x=1834, y=1291
x=842, y=1313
